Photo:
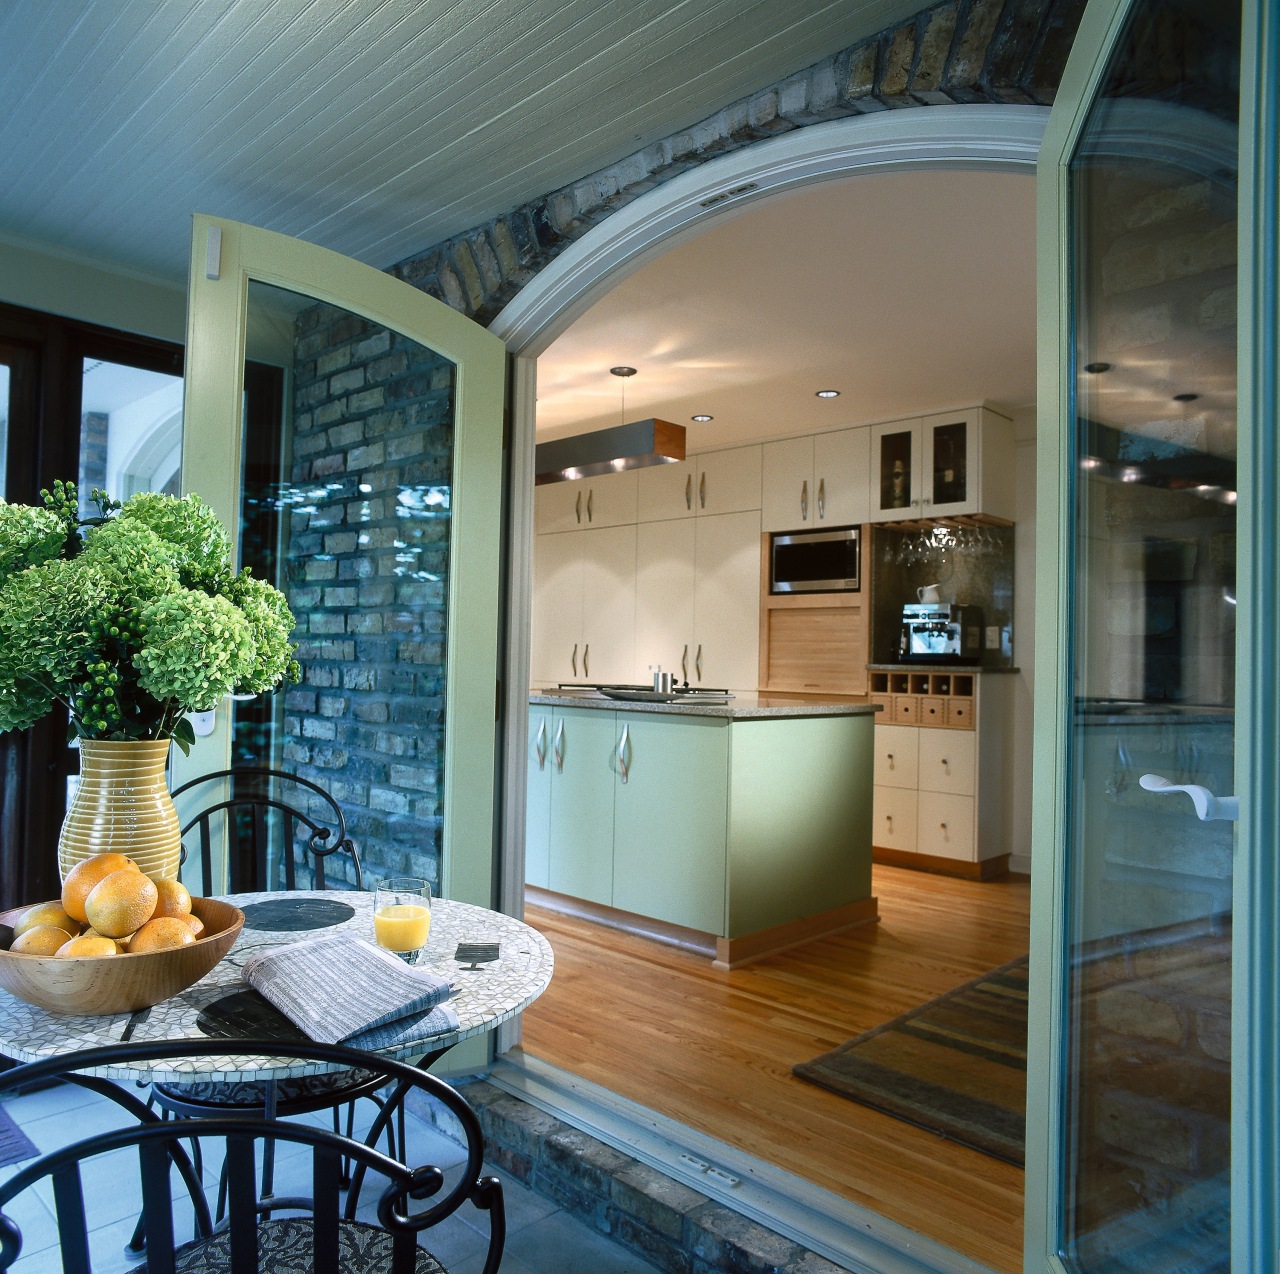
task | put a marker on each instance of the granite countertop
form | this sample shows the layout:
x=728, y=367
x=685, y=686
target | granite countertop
x=742, y=707
x=957, y=668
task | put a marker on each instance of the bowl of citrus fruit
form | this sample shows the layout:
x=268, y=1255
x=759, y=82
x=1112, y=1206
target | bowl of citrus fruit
x=115, y=942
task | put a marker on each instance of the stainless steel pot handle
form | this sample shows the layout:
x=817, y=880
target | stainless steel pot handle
x=558, y=746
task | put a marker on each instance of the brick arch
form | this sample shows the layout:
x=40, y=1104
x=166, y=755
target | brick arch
x=961, y=52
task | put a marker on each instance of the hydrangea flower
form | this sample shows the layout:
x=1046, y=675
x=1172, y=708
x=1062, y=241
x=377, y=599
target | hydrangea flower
x=28, y=537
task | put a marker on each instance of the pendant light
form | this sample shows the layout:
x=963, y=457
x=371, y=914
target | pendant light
x=626, y=446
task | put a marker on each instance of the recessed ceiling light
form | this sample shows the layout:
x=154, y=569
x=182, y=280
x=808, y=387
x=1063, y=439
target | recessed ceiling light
x=827, y=393
x=622, y=371
x=1095, y=368
x=1185, y=398
x=702, y=419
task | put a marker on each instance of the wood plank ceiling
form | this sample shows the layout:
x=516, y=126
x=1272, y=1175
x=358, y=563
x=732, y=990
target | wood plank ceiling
x=373, y=127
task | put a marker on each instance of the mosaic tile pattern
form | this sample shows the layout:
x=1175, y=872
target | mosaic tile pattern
x=482, y=998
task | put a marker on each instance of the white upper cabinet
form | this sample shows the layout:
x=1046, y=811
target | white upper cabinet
x=944, y=465
x=710, y=483
x=816, y=481
x=576, y=506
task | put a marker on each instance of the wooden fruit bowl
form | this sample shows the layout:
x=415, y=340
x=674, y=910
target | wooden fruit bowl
x=120, y=983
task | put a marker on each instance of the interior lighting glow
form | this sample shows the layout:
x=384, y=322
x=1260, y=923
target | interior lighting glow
x=827, y=393
x=702, y=419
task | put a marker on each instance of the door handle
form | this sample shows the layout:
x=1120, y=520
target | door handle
x=702, y=491
x=697, y=662
x=590, y=496
x=684, y=664
x=586, y=660
x=624, y=767
x=558, y=745
x=822, y=498
x=1208, y=807
x=688, y=492
x=540, y=747
x=573, y=659
x=804, y=500
x=577, y=508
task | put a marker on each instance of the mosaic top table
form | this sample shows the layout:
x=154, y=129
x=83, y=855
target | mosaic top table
x=221, y=1003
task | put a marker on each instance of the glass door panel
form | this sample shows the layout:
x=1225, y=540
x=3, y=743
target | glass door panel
x=4, y=425
x=1152, y=669
x=384, y=518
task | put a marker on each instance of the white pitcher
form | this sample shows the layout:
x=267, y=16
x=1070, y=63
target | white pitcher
x=929, y=593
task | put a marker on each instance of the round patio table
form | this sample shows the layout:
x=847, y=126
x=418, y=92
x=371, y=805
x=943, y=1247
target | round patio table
x=484, y=992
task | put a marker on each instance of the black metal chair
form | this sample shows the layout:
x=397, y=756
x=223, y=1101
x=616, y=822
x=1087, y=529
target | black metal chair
x=250, y=804
x=328, y=1239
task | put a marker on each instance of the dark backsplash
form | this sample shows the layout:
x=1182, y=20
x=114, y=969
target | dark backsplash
x=978, y=572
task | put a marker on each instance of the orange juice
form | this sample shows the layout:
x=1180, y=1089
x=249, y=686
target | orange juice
x=402, y=926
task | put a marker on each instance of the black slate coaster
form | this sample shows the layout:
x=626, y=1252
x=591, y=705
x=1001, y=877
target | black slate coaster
x=474, y=954
x=296, y=915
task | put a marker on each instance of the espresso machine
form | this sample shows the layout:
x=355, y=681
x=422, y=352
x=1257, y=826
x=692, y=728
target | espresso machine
x=940, y=633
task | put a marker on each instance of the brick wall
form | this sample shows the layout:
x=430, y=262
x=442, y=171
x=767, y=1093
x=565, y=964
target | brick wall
x=366, y=576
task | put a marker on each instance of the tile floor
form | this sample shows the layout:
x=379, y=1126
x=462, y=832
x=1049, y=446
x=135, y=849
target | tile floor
x=541, y=1238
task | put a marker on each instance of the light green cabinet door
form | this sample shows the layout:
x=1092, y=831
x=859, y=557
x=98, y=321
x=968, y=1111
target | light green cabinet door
x=581, y=823
x=670, y=820
x=537, y=831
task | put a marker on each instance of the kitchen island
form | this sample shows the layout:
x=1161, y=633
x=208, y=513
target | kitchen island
x=738, y=828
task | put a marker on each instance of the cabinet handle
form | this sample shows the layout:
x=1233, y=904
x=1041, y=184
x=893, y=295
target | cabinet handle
x=590, y=496
x=573, y=659
x=946, y=766
x=944, y=831
x=697, y=662
x=890, y=756
x=888, y=818
x=702, y=491
x=822, y=498
x=688, y=492
x=540, y=747
x=684, y=663
x=623, y=766
x=558, y=746
x=804, y=500
x=577, y=508
x=586, y=657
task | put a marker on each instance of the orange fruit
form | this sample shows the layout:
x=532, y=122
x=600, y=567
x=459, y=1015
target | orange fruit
x=87, y=945
x=197, y=925
x=121, y=902
x=122, y=944
x=45, y=913
x=174, y=900
x=43, y=940
x=84, y=876
x=161, y=934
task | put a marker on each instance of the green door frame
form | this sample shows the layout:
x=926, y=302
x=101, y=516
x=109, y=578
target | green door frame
x=1256, y=901
x=225, y=256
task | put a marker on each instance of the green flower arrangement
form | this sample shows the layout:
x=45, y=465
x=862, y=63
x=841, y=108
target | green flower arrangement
x=131, y=618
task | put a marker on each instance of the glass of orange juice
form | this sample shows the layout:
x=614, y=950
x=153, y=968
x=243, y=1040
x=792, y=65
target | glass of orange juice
x=402, y=916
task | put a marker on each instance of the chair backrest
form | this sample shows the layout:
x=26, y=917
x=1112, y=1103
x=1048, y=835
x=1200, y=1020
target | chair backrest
x=249, y=803
x=159, y=1153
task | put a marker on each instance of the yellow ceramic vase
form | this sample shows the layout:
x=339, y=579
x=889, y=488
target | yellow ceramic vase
x=122, y=806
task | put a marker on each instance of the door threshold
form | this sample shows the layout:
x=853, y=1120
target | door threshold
x=847, y=1234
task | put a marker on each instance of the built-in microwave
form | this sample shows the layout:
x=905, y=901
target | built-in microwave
x=825, y=561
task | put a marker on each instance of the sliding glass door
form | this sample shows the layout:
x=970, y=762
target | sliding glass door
x=1145, y=933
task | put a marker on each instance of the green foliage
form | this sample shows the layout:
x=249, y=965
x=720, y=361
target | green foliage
x=131, y=618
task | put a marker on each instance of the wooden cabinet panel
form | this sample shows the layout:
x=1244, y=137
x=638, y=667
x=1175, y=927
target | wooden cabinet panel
x=945, y=825
x=671, y=820
x=896, y=756
x=664, y=599
x=666, y=491
x=726, y=608
x=947, y=759
x=609, y=604
x=894, y=821
x=581, y=822
x=728, y=481
x=906, y=710
x=932, y=710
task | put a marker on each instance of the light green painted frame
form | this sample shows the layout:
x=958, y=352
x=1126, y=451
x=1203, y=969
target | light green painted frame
x=211, y=465
x=1256, y=987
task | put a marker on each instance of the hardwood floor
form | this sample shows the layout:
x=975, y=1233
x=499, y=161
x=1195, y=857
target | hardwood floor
x=714, y=1049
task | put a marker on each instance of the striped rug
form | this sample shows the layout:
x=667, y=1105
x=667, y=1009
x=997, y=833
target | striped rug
x=956, y=1066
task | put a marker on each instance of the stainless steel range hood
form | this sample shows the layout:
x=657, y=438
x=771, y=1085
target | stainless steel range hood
x=633, y=446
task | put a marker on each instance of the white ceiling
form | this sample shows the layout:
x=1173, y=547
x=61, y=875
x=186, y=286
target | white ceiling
x=377, y=128
x=907, y=292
